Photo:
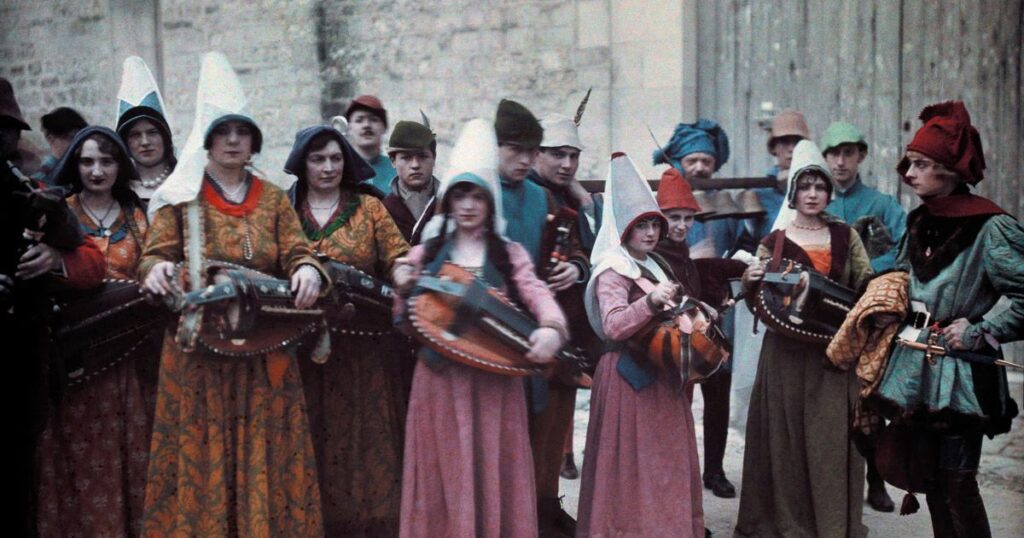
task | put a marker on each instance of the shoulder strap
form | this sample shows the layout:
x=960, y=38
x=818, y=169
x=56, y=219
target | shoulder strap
x=780, y=241
x=192, y=320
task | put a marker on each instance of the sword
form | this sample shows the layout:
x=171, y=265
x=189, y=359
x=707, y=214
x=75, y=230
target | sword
x=937, y=350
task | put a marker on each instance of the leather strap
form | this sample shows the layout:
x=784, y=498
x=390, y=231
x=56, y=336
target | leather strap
x=192, y=319
x=780, y=241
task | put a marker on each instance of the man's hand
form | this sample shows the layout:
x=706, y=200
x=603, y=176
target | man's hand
x=954, y=333
x=38, y=260
x=562, y=276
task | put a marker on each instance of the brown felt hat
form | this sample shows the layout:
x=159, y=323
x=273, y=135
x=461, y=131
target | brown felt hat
x=789, y=122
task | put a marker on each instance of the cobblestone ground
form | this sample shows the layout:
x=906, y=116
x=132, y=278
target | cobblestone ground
x=1001, y=479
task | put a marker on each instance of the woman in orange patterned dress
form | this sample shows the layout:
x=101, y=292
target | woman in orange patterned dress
x=231, y=453
x=93, y=453
x=356, y=400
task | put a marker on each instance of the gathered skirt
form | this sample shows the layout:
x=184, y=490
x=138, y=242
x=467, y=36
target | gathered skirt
x=641, y=474
x=468, y=467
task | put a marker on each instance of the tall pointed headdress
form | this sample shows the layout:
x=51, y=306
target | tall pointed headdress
x=139, y=99
x=627, y=200
x=474, y=159
x=219, y=98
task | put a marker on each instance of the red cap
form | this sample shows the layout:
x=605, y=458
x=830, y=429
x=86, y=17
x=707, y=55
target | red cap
x=368, y=102
x=948, y=137
x=674, y=192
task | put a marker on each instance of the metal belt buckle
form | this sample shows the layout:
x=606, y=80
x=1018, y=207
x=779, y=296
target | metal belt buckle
x=920, y=320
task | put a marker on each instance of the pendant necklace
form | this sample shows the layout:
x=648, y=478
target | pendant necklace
x=100, y=221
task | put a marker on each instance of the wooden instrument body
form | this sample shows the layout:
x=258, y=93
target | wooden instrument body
x=358, y=302
x=244, y=312
x=801, y=303
x=96, y=329
x=459, y=317
x=683, y=337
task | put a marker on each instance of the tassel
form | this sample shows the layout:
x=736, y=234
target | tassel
x=323, y=347
x=910, y=505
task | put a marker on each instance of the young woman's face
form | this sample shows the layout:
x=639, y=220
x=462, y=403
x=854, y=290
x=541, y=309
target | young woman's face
x=324, y=168
x=811, y=194
x=97, y=170
x=471, y=208
x=145, y=143
x=643, y=237
x=679, y=223
x=231, y=144
x=926, y=177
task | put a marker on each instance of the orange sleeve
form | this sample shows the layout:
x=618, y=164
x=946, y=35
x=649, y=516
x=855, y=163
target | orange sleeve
x=85, y=266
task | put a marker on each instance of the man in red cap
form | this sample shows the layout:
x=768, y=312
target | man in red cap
x=963, y=253
x=59, y=256
x=367, y=121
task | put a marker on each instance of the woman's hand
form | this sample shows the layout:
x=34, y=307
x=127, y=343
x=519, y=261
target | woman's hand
x=663, y=293
x=403, y=275
x=753, y=273
x=544, y=343
x=38, y=260
x=954, y=333
x=158, y=280
x=305, y=286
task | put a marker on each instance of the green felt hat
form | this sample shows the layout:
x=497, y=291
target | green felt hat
x=411, y=136
x=840, y=133
x=516, y=124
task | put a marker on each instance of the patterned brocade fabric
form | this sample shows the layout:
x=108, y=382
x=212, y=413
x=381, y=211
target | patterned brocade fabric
x=231, y=453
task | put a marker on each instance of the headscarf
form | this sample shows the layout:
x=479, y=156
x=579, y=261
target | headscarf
x=66, y=175
x=705, y=136
x=806, y=157
x=354, y=171
x=474, y=159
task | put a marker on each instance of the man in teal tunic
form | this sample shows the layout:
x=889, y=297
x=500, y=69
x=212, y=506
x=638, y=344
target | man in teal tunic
x=962, y=252
x=526, y=206
x=367, y=121
x=877, y=217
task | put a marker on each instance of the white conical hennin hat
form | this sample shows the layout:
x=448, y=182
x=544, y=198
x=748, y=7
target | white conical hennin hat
x=138, y=89
x=474, y=159
x=219, y=97
x=806, y=157
x=627, y=198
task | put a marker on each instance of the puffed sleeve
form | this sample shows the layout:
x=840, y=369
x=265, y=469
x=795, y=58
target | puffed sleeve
x=163, y=240
x=1003, y=243
x=535, y=295
x=620, y=319
x=293, y=247
x=84, y=266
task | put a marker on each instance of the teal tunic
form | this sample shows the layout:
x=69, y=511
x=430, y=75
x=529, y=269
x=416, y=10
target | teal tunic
x=384, y=171
x=966, y=288
x=863, y=201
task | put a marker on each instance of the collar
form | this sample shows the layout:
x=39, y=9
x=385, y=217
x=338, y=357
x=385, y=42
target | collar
x=856, y=186
x=961, y=205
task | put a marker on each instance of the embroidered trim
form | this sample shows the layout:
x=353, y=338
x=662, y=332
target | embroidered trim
x=315, y=233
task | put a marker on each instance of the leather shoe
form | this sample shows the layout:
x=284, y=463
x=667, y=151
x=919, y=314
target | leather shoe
x=720, y=486
x=569, y=470
x=878, y=497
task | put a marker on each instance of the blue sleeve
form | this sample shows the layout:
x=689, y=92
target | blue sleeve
x=1003, y=240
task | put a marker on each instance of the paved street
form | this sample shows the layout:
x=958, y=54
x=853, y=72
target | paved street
x=1001, y=480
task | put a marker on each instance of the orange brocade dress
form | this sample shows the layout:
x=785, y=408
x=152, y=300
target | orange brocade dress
x=92, y=454
x=231, y=453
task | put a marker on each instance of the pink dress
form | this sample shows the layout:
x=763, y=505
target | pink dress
x=468, y=466
x=641, y=475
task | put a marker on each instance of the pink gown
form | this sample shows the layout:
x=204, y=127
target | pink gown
x=468, y=467
x=641, y=475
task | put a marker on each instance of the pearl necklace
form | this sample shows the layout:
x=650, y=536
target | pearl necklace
x=152, y=183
